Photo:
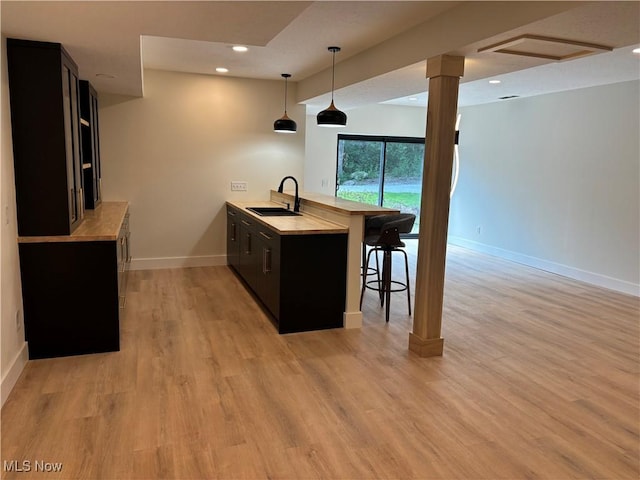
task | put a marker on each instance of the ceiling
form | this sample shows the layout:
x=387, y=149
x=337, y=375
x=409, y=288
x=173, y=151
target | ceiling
x=384, y=43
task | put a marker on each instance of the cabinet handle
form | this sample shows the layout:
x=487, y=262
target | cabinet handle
x=266, y=236
x=233, y=232
x=266, y=260
x=128, y=256
x=248, y=250
x=73, y=205
x=246, y=223
x=81, y=195
x=229, y=212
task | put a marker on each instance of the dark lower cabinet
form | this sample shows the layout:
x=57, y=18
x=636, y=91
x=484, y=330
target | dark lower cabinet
x=70, y=294
x=73, y=293
x=301, y=280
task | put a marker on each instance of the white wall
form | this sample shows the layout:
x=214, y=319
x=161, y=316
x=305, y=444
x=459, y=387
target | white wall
x=14, y=353
x=553, y=181
x=174, y=153
x=322, y=142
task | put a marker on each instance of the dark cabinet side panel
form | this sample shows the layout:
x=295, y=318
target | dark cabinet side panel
x=70, y=294
x=313, y=282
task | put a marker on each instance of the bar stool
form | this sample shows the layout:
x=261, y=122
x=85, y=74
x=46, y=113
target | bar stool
x=388, y=242
x=372, y=230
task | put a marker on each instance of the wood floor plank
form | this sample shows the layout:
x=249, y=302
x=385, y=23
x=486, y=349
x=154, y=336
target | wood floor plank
x=539, y=379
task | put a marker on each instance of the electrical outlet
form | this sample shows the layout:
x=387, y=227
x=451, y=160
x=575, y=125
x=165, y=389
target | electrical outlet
x=18, y=320
x=6, y=214
x=238, y=186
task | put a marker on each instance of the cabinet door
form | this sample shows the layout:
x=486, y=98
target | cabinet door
x=123, y=255
x=69, y=140
x=90, y=145
x=97, y=166
x=268, y=288
x=72, y=144
x=75, y=132
x=233, y=238
x=250, y=259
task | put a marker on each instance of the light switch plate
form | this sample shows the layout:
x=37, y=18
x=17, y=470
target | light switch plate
x=238, y=186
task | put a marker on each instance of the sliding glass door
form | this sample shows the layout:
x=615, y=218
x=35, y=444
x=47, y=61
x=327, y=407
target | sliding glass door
x=384, y=171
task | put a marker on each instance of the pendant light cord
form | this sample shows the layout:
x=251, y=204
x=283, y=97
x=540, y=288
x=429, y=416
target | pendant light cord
x=285, y=95
x=333, y=74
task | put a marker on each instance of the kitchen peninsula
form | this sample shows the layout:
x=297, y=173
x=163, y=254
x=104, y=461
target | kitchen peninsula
x=333, y=257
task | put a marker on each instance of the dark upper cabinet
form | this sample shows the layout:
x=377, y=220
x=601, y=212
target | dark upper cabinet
x=90, y=145
x=45, y=119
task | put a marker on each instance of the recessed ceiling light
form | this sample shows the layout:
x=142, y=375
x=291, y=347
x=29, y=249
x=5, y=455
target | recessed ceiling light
x=494, y=82
x=105, y=75
x=240, y=48
x=413, y=99
x=636, y=50
x=222, y=70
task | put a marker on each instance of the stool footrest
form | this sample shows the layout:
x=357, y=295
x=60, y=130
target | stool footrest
x=402, y=288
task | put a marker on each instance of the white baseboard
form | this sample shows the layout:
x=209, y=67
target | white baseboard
x=566, y=271
x=10, y=379
x=178, y=262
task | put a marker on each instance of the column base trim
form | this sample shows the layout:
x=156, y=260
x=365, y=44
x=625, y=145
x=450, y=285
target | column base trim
x=429, y=347
x=352, y=319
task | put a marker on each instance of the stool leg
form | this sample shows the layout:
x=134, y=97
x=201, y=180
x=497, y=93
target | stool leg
x=364, y=277
x=406, y=271
x=380, y=281
x=386, y=275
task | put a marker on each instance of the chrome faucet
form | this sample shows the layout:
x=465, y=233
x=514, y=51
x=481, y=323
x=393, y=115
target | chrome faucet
x=296, y=201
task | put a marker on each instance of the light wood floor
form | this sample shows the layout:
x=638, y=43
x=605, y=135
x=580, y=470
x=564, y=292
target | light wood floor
x=539, y=380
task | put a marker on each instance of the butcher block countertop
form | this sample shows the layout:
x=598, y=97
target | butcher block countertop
x=101, y=224
x=303, y=224
x=340, y=205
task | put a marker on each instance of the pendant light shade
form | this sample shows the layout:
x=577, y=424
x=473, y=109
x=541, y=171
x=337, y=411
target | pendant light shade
x=285, y=124
x=332, y=117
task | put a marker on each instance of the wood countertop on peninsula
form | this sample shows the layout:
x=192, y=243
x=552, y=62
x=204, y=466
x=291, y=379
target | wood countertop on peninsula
x=340, y=205
x=303, y=224
x=101, y=224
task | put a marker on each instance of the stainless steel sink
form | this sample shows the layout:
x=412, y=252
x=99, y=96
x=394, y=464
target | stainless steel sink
x=273, y=211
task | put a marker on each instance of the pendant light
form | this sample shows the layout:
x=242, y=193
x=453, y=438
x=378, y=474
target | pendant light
x=285, y=124
x=332, y=117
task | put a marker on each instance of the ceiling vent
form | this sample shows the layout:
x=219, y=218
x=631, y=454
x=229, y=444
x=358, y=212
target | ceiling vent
x=507, y=97
x=538, y=46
